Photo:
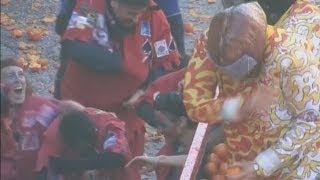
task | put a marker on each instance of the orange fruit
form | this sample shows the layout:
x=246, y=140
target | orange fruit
x=211, y=1
x=218, y=177
x=35, y=67
x=22, y=62
x=211, y=169
x=232, y=171
x=43, y=62
x=223, y=168
x=16, y=33
x=214, y=158
x=35, y=34
x=189, y=28
x=221, y=151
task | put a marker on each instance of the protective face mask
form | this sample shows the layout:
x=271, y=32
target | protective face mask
x=241, y=68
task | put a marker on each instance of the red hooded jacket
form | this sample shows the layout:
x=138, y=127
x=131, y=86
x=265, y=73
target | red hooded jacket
x=148, y=47
x=105, y=123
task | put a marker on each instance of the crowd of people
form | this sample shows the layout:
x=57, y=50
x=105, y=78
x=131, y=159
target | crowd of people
x=254, y=76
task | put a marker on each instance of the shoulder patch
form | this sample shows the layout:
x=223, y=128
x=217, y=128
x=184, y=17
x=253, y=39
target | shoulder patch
x=46, y=115
x=147, y=50
x=161, y=48
x=145, y=29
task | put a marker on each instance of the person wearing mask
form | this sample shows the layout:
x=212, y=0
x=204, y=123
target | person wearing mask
x=268, y=80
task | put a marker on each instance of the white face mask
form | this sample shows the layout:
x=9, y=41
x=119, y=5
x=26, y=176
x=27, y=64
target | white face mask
x=241, y=68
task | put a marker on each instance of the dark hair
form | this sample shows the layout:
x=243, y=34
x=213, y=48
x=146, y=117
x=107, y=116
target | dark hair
x=77, y=128
x=136, y=3
x=4, y=104
x=9, y=62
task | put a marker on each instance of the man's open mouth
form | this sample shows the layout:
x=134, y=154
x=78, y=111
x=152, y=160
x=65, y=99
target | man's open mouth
x=18, y=90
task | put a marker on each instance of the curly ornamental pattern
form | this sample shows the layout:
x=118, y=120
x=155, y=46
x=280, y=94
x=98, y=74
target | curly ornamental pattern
x=291, y=128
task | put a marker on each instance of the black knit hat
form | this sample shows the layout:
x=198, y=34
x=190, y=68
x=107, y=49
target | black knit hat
x=137, y=3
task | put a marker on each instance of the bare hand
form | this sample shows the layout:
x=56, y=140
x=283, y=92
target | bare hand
x=133, y=99
x=247, y=171
x=147, y=163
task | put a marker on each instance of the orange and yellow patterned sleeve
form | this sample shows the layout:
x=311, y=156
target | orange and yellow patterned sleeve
x=300, y=86
x=200, y=86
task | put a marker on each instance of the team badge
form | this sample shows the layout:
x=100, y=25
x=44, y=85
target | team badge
x=46, y=115
x=145, y=29
x=110, y=140
x=147, y=50
x=29, y=119
x=161, y=48
x=30, y=141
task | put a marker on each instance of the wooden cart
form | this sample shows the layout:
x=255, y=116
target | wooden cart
x=196, y=152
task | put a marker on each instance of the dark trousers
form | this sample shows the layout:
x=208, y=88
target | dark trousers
x=177, y=31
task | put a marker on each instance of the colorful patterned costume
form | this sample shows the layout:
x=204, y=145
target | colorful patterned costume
x=285, y=141
x=303, y=18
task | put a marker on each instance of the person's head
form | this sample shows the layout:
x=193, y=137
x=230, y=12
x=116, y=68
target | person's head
x=77, y=131
x=236, y=39
x=14, y=81
x=178, y=129
x=127, y=12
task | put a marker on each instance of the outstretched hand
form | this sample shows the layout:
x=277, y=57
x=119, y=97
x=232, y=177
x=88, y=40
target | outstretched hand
x=133, y=99
x=147, y=163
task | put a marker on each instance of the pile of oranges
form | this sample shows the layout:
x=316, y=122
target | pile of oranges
x=217, y=166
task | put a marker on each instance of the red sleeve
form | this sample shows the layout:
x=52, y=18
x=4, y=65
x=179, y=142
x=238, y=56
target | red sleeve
x=51, y=146
x=111, y=132
x=167, y=83
x=165, y=50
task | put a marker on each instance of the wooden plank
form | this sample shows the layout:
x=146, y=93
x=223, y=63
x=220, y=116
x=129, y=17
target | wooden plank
x=196, y=152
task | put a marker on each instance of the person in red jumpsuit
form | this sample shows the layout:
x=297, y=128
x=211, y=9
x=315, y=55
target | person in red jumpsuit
x=110, y=50
x=85, y=143
x=24, y=118
x=161, y=106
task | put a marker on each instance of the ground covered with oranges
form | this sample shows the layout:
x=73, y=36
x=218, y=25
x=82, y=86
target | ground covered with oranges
x=27, y=33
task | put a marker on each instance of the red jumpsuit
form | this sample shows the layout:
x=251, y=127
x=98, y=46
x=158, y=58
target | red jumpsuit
x=149, y=46
x=21, y=139
x=105, y=123
x=167, y=83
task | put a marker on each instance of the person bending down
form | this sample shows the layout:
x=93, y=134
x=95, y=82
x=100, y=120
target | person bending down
x=85, y=143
